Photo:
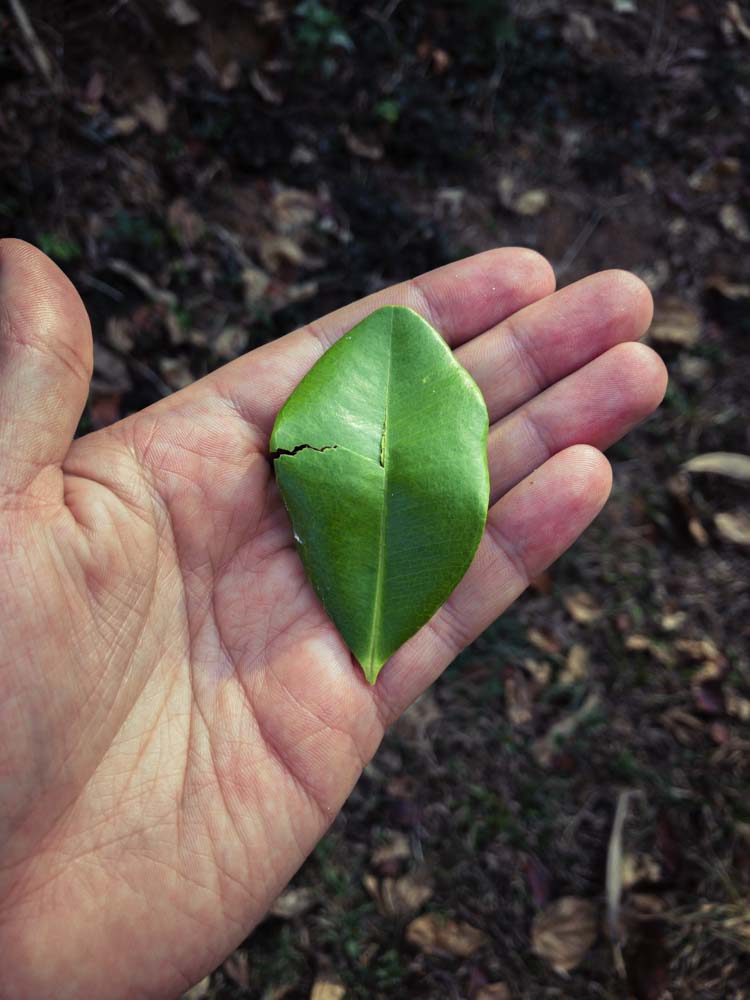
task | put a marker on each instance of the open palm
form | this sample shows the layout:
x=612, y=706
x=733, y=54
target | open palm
x=179, y=719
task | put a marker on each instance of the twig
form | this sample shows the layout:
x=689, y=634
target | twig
x=159, y=384
x=579, y=243
x=614, y=879
x=141, y=281
x=233, y=242
x=38, y=52
x=657, y=25
x=390, y=9
x=101, y=286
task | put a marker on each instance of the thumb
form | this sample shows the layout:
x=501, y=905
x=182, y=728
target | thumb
x=45, y=365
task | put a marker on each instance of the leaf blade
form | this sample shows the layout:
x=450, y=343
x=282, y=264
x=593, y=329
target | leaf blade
x=384, y=543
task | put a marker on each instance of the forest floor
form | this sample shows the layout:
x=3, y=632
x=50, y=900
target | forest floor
x=212, y=176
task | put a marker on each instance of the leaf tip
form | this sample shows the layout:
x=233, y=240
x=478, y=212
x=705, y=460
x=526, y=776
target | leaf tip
x=371, y=668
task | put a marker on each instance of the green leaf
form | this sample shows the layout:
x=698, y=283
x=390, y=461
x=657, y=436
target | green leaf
x=381, y=458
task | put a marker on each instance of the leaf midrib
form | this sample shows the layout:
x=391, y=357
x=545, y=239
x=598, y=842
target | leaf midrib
x=377, y=611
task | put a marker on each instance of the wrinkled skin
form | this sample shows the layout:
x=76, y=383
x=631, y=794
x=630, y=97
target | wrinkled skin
x=179, y=720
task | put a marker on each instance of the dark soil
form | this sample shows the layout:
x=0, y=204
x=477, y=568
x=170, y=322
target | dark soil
x=272, y=161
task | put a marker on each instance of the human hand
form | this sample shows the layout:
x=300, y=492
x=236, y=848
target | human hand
x=179, y=720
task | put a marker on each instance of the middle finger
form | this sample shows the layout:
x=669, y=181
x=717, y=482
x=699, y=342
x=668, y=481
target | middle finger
x=544, y=342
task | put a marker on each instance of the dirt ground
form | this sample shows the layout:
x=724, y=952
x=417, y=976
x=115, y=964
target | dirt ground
x=213, y=175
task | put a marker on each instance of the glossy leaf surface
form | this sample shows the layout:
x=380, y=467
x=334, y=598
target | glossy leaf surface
x=381, y=459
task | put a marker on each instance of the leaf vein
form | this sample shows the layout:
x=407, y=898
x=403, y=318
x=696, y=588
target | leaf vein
x=377, y=611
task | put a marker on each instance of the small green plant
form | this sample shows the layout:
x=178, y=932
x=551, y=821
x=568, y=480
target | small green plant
x=332, y=875
x=492, y=24
x=483, y=816
x=135, y=229
x=59, y=247
x=9, y=204
x=388, y=110
x=278, y=961
x=321, y=28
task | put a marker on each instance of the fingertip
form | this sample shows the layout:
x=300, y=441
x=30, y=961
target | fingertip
x=644, y=376
x=630, y=297
x=46, y=358
x=533, y=275
x=588, y=475
x=35, y=294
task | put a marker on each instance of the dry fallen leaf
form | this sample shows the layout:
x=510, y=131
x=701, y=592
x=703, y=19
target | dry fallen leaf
x=693, y=370
x=182, y=12
x=255, y=284
x=152, y=111
x=300, y=291
x=581, y=607
x=576, y=665
x=640, y=868
x=580, y=30
x=563, y=933
x=673, y=621
x=433, y=934
x=543, y=641
x=396, y=848
x=539, y=670
x=270, y=12
x=712, y=670
x=237, y=968
x=366, y=149
x=327, y=989
x=518, y=701
x=441, y=60
x=531, y=202
x=294, y=902
x=276, y=250
x=647, y=903
x=200, y=991
x=637, y=643
x=400, y=896
x=734, y=222
x=675, y=322
x=655, y=275
x=734, y=528
x=124, y=124
x=738, y=707
x=187, y=225
x=685, y=728
x=732, y=290
x=721, y=463
x=699, y=649
x=734, y=13
x=263, y=86
x=493, y=991
x=120, y=334
x=230, y=343
x=293, y=209
x=176, y=372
